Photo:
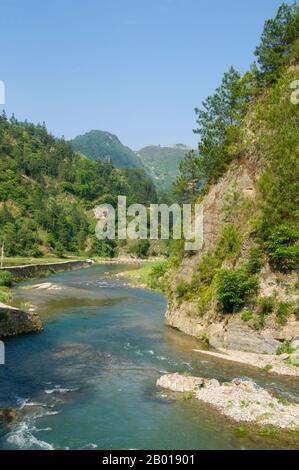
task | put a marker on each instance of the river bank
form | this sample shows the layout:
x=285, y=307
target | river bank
x=240, y=400
x=16, y=321
x=26, y=271
x=103, y=348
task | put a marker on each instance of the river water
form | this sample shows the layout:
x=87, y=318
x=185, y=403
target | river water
x=88, y=381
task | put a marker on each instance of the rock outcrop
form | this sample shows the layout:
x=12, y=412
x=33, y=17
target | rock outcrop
x=14, y=321
x=226, y=203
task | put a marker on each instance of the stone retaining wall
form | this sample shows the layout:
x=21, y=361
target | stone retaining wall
x=34, y=270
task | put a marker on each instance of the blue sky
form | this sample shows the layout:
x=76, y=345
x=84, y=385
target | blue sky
x=136, y=68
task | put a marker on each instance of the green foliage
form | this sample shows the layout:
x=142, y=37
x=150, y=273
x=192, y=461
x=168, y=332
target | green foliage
x=228, y=246
x=285, y=348
x=219, y=121
x=229, y=243
x=6, y=278
x=241, y=432
x=182, y=289
x=283, y=310
x=162, y=163
x=188, y=184
x=268, y=431
x=47, y=193
x=188, y=396
x=278, y=184
x=267, y=367
x=246, y=314
x=283, y=248
x=266, y=305
x=5, y=294
x=106, y=147
x=277, y=42
x=140, y=248
x=233, y=288
x=159, y=269
x=255, y=261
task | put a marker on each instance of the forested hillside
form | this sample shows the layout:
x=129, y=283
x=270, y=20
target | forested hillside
x=162, y=163
x=47, y=193
x=101, y=145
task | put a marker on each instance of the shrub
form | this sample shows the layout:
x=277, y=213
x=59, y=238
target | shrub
x=233, y=288
x=159, y=270
x=267, y=367
x=255, y=261
x=266, y=305
x=285, y=348
x=283, y=248
x=229, y=243
x=205, y=298
x=140, y=248
x=246, y=314
x=5, y=294
x=181, y=289
x=259, y=322
x=208, y=268
x=187, y=291
x=6, y=278
x=284, y=309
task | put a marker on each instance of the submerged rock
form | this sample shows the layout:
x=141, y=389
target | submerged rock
x=9, y=417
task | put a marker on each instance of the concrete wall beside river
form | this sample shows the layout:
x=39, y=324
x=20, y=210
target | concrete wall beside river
x=35, y=270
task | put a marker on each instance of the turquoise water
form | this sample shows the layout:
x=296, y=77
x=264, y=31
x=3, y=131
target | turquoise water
x=88, y=381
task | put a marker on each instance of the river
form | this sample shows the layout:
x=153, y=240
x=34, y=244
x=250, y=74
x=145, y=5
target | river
x=88, y=381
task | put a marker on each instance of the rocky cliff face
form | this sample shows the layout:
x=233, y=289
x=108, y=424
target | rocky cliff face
x=233, y=200
x=14, y=322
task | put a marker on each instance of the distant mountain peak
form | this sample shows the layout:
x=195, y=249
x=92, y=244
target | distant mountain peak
x=97, y=144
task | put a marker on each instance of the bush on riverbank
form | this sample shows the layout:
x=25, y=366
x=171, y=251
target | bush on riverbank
x=6, y=279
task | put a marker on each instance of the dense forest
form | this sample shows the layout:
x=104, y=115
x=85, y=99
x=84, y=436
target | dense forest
x=101, y=145
x=47, y=193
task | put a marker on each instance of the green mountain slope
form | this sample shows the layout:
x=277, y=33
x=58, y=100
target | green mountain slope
x=106, y=147
x=162, y=163
x=48, y=192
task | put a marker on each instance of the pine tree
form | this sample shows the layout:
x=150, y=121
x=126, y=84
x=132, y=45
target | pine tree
x=219, y=122
x=277, y=41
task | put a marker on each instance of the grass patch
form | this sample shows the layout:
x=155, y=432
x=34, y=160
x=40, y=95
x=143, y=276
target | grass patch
x=267, y=368
x=241, y=432
x=146, y=275
x=188, y=396
x=5, y=294
x=285, y=348
x=268, y=431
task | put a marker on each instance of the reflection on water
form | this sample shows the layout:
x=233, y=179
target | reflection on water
x=88, y=381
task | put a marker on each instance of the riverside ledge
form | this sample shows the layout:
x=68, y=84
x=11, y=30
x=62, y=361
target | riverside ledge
x=34, y=270
x=14, y=321
x=239, y=400
x=276, y=364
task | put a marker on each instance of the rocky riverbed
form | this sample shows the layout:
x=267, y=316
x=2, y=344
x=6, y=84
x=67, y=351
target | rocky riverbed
x=240, y=400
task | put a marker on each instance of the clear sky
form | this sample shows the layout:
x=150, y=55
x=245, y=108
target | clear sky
x=136, y=68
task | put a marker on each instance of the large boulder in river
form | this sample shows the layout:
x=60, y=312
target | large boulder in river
x=179, y=382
